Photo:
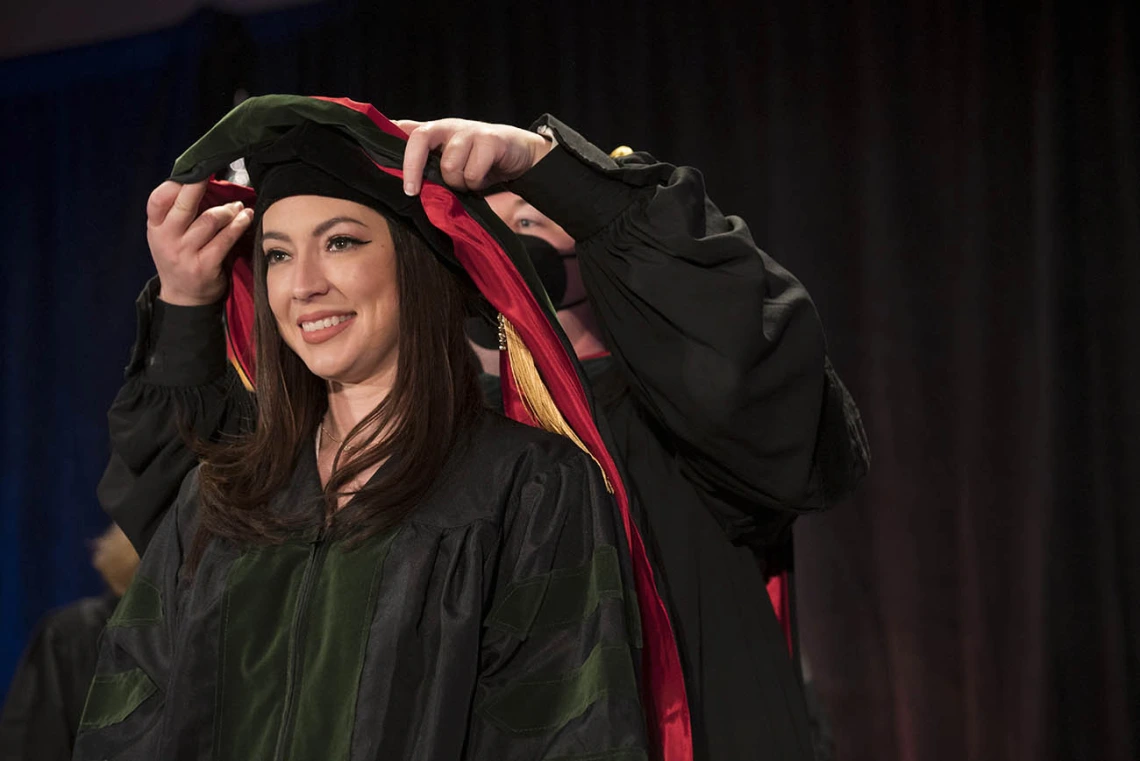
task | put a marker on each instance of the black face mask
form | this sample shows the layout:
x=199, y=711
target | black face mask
x=547, y=261
x=549, y=265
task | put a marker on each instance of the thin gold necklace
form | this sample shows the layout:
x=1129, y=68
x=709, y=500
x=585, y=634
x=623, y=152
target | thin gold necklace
x=326, y=432
x=321, y=429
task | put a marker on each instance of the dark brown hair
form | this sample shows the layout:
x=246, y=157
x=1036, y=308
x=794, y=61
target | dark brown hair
x=434, y=398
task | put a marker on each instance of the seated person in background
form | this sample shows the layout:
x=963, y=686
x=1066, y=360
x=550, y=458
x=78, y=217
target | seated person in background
x=45, y=700
x=705, y=358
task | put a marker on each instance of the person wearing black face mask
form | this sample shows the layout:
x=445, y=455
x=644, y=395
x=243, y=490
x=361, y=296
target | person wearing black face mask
x=707, y=365
x=555, y=257
x=550, y=264
x=554, y=268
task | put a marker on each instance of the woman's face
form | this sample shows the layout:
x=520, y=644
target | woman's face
x=331, y=279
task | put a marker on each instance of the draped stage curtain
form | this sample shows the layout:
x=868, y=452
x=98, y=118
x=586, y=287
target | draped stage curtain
x=956, y=183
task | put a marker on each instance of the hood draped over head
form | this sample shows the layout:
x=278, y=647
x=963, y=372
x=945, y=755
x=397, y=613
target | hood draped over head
x=311, y=159
x=297, y=145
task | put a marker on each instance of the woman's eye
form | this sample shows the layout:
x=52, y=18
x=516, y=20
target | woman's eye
x=527, y=223
x=343, y=243
x=276, y=256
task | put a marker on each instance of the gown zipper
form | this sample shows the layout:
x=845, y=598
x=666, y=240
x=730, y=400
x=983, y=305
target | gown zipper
x=318, y=550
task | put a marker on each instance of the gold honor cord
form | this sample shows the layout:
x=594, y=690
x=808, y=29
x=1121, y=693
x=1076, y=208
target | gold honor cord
x=245, y=381
x=535, y=396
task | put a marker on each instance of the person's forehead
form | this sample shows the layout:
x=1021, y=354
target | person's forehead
x=506, y=203
x=303, y=214
x=505, y=197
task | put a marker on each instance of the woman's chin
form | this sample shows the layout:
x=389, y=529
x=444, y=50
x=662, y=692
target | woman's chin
x=342, y=373
x=347, y=367
x=329, y=369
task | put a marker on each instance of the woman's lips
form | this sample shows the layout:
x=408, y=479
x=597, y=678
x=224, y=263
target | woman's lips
x=317, y=329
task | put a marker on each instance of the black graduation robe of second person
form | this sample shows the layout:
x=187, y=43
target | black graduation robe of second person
x=45, y=699
x=722, y=410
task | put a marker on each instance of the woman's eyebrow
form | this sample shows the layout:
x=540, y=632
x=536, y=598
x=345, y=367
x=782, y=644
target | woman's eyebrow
x=324, y=227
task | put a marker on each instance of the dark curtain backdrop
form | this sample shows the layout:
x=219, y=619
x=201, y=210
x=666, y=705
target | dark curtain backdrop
x=957, y=184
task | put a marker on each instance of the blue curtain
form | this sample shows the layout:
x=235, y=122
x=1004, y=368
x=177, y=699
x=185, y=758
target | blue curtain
x=85, y=134
x=957, y=184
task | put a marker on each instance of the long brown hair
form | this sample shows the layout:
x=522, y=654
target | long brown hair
x=434, y=398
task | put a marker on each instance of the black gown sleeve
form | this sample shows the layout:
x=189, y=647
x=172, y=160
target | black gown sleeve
x=178, y=380
x=558, y=672
x=720, y=345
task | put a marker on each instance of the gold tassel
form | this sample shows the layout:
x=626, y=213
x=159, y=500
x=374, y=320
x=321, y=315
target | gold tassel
x=534, y=393
x=245, y=381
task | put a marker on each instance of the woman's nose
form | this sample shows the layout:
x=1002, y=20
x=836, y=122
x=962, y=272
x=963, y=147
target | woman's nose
x=309, y=277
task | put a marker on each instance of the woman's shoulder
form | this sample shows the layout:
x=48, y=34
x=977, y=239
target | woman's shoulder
x=490, y=464
x=533, y=449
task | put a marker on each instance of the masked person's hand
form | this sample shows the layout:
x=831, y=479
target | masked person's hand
x=473, y=155
x=188, y=248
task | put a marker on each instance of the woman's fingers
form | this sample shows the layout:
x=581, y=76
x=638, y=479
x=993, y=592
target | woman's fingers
x=207, y=225
x=214, y=253
x=421, y=141
x=189, y=248
x=161, y=200
x=473, y=155
x=468, y=152
x=453, y=158
x=185, y=208
x=407, y=125
x=481, y=163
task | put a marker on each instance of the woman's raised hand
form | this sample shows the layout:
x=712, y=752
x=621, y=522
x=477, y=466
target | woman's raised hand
x=189, y=248
x=473, y=155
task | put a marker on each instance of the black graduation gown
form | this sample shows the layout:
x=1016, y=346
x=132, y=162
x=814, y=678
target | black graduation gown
x=492, y=623
x=717, y=401
x=45, y=700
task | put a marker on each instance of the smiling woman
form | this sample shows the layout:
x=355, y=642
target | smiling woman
x=360, y=346
x=379, y=567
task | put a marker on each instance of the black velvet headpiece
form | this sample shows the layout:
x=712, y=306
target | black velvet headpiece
x=315, y=160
